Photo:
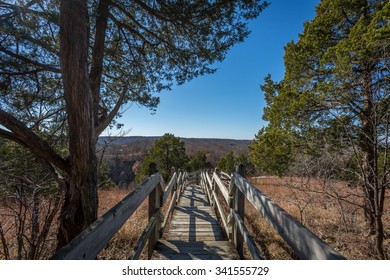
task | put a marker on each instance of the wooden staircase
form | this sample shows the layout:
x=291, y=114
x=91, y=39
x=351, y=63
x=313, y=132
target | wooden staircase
x=194, y=232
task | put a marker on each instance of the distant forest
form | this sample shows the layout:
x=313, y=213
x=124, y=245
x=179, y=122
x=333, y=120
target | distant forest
x=124, y=155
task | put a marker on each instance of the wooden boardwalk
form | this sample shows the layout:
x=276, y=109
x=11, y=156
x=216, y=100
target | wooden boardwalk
x=194, y=232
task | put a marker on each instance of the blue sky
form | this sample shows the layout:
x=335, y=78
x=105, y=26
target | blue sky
x=229, y=103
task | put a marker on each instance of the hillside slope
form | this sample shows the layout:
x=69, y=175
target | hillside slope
x=125, y=154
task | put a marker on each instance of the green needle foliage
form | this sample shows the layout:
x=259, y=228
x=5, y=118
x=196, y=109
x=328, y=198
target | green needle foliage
x=335, y=92
x=167, y=152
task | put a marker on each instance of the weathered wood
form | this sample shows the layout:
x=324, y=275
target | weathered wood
x=140, y=244
x=238, y=208
x=92, y=240
x=239, y=223
x=221, y=214
x=222, y=187
x=225, y=176
x=209, y=180
x=304, y=243
x=169, y=188
x=162, y=183
x=193, y=220
x=207, y=188
x=204, y=250
x=192, y=236
x=155, y=203
x=171, y=207
x=203, y=225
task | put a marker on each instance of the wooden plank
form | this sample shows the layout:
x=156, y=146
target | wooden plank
x=193, y=203
x=208, y=217
x=196, y=222
x=221, y=214
x=158, y=256
x=92, y=240
x=239, y=223
x=155, y=200
x=195, y=215
x=192, y=228
x=209, y=180
x=238, y=208
x=222, y=187
x=169, y=212
x=187, y=237
x=169, y=188
x=188, y=223
x=140, y=244
x=207, y=188
x=225, y=176
x=200, y=207
x=304, y=243
x=175, y=249
x=215, y=229
x=204, y=247
x=194, y=209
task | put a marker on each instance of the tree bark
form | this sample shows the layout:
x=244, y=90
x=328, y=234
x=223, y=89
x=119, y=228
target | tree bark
x=372, y=188
x=80, y=205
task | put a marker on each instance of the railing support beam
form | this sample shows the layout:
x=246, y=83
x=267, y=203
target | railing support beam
x=155, y=203
x=239, y=208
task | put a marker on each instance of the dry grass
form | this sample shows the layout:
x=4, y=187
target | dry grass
x=24, y=237
x=339, y=223
x=122, y=244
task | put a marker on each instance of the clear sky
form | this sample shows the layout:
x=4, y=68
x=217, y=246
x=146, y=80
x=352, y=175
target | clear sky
x=229, y=103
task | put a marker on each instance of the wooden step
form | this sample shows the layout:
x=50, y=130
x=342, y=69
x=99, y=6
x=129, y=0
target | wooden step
x=204, y=250
x=194, y=232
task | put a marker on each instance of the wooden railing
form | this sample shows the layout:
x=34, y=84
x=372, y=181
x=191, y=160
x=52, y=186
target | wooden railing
x=234, y=189
x=88, y=244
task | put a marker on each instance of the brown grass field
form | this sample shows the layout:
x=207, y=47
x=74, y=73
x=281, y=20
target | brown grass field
x=340, y=224
x=333, y=214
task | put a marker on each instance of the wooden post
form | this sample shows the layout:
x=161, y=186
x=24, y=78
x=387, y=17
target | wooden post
x=155, y=198
x=173, y=170
x=239, y=208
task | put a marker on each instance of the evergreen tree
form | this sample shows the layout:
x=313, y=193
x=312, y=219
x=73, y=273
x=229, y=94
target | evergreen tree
x=167, y=152
x=227, y=163
x=336, y=85
x=198, y=161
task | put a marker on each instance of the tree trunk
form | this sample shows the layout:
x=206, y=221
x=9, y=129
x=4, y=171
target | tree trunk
x=80, y=206
x=373, y=191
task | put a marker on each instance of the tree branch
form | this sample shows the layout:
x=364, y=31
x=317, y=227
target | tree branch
x=106, y=121
x=22, y=135
x=27, y=60
x=95, y=75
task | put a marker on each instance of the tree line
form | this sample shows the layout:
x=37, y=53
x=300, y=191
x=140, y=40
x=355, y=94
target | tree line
x=169, y=153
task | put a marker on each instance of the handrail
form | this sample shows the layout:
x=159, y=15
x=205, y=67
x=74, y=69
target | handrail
x=247, y=237
x=226, y=176
x=303, y=242
x=140, y=244
x=221, y=187
x=89, y=243
x=168, y=189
